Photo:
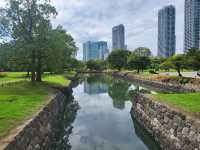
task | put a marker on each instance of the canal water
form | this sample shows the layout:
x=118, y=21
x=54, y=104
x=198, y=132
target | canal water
x=98, y=118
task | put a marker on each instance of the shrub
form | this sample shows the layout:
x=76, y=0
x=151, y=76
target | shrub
x=2, y=75
x=152, y=72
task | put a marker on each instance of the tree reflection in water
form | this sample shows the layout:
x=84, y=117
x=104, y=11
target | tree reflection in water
x=66, y=121
x=119, y=92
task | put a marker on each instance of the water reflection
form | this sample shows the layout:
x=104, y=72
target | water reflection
x=95, y=88
x=144, y=136
x=103, y=121
x=119, y=90
x=66, y=127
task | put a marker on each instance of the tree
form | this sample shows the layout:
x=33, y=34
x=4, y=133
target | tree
x=74, y=64
x=94, y=65
x=193, y=58
x=156, y=63
x=142, y=51
x=138, y=62
x=118, y=59
x=178, y=62
x=23, y=21
x=166, y=65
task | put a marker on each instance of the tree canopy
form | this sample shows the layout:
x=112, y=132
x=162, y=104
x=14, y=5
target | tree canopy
x=177, y=62
x=118, y=58
x=142, y=51
x=35, y=45
x=138, y=62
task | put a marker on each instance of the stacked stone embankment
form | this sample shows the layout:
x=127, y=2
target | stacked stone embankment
x=156, y=84
x=171, y=128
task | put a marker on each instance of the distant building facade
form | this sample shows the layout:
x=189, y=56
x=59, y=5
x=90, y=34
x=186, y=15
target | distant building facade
x=166, y=31
x=95, y=50
x=192, y=24
x=118, y=37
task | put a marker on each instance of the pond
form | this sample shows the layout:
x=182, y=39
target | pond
x=99, y=117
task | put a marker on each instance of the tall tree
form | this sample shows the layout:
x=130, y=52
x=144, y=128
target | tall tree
x=138, y=62
x=22, y=21
x=118, y=59
x=177, y=62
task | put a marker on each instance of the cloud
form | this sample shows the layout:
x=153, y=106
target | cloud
x=94, y=19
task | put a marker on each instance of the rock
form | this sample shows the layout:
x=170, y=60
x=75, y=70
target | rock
x=37, y=146
x=172, y=131
x=192, y=135
x=198, y=138
x=185, y=131
x=166, y=119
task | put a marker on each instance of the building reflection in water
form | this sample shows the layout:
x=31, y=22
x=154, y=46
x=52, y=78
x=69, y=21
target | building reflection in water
x=119, y=90
x=95, y=88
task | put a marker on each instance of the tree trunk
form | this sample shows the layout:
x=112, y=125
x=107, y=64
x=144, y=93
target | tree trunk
x=179, y=72
x=33, y=75
x=28, y=73
x=39, y=71
x=138, y=70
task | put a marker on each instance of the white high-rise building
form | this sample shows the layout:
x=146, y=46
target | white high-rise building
x=192, y=24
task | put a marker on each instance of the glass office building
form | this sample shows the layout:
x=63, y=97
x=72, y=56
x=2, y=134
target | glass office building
x=118, y=37
x=166, y=31
x=192, y=24
x=95, y=50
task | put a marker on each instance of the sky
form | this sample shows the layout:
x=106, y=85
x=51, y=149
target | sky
x=92, y=20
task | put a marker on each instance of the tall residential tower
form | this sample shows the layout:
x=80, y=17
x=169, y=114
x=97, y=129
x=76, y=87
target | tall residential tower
x=118, y=37
x=192, y=24
x=166, y=31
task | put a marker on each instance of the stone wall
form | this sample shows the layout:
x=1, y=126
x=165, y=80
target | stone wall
x=40, y=133
x=172, y=129
x=154, y=84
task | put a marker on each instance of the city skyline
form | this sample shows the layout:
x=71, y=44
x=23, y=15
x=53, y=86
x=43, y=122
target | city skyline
x=139, y=18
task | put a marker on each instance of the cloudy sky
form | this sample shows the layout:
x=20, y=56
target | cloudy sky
x=94, y=19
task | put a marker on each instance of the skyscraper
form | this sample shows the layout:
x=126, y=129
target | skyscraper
x=166, y=31
x=95, y=50
x=192, y=24
x=118, y=37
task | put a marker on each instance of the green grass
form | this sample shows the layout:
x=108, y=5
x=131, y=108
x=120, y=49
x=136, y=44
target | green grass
x=20, y=101
x=12, y=76
x=59, y=80
x=189, y=102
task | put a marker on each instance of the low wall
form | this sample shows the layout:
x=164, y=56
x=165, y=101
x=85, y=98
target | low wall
x=155, y=84
x=40, y=133
x=172, y=129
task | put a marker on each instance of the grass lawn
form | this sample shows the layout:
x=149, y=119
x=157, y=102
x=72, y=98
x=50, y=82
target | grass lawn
x=59, y=80
x=12, y=76
x=19, y=101
x=189, y=102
